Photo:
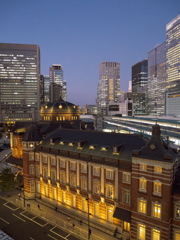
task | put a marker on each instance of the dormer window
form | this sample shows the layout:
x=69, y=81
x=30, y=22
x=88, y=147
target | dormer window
x=71, y=144
x=81, y=143
x=104, y=148
x=115, y=150
x=53, y=140
x=62, y=142
x=91, y=147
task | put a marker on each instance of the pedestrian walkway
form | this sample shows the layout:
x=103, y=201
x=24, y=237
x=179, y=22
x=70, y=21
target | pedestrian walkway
x=69, y=219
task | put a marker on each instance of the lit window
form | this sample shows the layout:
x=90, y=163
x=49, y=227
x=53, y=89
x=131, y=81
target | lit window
x=83, y=168
x=53, y=174
x=31, y=145
x=126, y=226
x=126, y=194
x=109, y=174
x=32, y=186
x=157, y=188
x=31, y=169
x=84, y=183
x=143, y=167
x=142, y=185
x=62, y=177
x=156, y=210
x=45, y=172
x=31, y=156
x=96, y=187
x=109, y=191
x=156, y=234
x=157, y=169
x=96, y=171
x=126, y=177
x=37, y=170
x=72, y=165
x=62, y=163
x=177, y=235
x=73, y=180
x=115, y=150
x=177, y=210
x=92, y=147
x=44, y=159
x=141, y=232
x=142, y=206
x=37, y=156
x=71, y=144
x=104, y=149
x=53, y=161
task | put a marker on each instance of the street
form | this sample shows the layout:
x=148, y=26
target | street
x=21, y=225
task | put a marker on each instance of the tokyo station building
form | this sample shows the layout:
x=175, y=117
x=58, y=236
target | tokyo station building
x=129, y=183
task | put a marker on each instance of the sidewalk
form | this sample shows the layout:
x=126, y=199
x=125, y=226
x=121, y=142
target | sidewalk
x=60, y=219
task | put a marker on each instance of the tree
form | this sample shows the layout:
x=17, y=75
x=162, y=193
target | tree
x=6, y=179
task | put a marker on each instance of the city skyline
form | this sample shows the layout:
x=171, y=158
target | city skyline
x=81, y=34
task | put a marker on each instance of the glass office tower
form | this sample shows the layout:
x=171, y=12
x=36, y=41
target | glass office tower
x=57, y=84
x=139, y=75
x=19, y=82
x=46, y=88
x=157, y=80
x=173, y=67
x=108, y=86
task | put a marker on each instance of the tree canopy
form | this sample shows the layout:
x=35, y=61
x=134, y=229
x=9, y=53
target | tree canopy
x=6, y=179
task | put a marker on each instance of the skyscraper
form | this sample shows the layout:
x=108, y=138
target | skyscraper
x=108, y=86
x=157, y=80
x=139, y=75
x=57, y=84
x=46, y=88
x=173, y=67
x=19, y=82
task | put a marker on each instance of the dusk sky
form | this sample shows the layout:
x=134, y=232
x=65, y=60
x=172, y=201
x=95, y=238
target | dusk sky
x=79, y=34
